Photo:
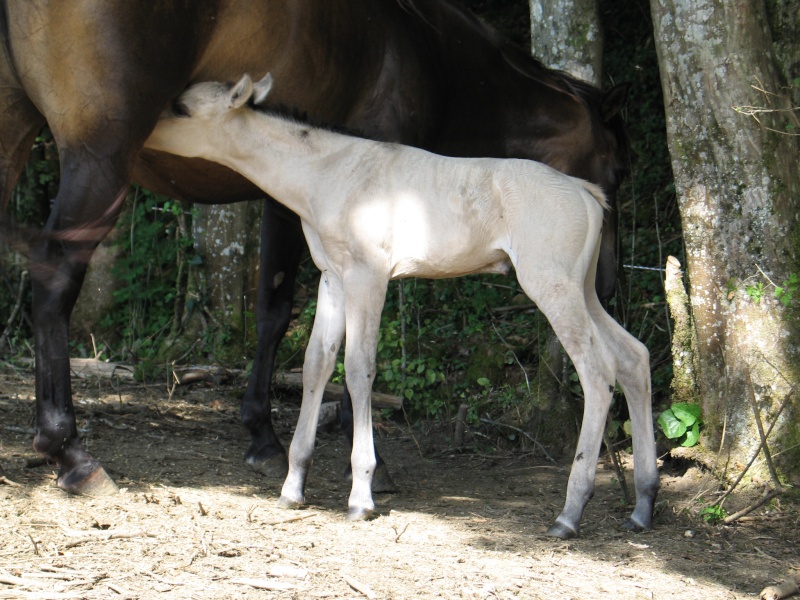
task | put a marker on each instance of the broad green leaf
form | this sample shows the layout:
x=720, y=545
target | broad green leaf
x=692, y=436
x=672, y=427
x=687, y=412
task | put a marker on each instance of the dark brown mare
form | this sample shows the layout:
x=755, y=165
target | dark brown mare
x=99, y=73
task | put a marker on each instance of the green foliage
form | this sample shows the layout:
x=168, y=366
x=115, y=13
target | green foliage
x=151, y=245
x=785, y=293
x=681, y=422
x=755, y=292
x=713, y=514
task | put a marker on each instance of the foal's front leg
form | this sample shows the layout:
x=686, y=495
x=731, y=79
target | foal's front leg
x=365, y=296
x=320, y=360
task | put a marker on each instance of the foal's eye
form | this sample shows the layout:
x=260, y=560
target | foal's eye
x=179, y=109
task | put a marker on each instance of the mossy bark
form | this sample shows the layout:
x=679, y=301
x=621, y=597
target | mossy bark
x=738, y=188
x=226, y=239
x=567, y=35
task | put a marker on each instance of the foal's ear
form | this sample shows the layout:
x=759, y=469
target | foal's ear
x=613, y=100
x=261, y=89
x=240, y=93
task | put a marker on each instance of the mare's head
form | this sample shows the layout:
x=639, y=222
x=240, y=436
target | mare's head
x=183, y=127
x=606, y=160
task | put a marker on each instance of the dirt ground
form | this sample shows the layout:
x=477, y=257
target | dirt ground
x=192, y=521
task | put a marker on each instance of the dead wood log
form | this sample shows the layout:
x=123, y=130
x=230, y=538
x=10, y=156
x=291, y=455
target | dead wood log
x=775, y=592
x=91, y=367
x=333, y=391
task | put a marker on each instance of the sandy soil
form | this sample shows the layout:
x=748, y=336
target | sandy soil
x=192, y=521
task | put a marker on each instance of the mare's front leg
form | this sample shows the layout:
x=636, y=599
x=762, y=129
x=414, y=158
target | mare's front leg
x=320, y=360
x=76, y=226
x=282, y=246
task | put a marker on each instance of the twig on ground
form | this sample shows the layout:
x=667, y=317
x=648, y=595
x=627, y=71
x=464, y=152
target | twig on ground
x=623, y=484
x=265, y=584
x=291, y=519
x=6, y=481
x=762, y=444
x=15, y=311
x=102, y=535
x=768, y=495
x=358, y=586
x=526, y=435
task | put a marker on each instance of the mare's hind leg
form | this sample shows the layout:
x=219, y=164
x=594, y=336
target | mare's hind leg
x=282, y=246
x=633, y=374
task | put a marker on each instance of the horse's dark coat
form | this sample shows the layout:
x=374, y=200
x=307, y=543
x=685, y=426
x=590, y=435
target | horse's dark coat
x=421, y=72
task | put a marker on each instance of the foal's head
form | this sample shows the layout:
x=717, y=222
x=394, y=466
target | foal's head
x=184, y=126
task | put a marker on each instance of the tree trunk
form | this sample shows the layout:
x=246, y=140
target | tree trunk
x=737, y=184
x=226, y=238
x=567, y=35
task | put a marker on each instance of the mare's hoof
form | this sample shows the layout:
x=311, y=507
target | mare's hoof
x=275, y=466
x=358, y=514
x=95, y=484
x=382, y=482
x=561, y=531
x=284, y=502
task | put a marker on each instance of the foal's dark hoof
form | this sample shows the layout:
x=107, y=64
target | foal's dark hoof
x=95, y=484
x=275, y=466
x=561, y=531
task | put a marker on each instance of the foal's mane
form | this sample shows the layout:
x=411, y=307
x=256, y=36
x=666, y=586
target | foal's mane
x=301, y=117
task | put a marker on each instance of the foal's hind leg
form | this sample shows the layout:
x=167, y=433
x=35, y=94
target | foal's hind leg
x=633, y=374
x=563, y=303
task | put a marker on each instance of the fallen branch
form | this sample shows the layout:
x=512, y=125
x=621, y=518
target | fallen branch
x=768, y=495
x=83, y=368
x=333, y=391
x=101, y=535
x=205, y=374
x=775, y=592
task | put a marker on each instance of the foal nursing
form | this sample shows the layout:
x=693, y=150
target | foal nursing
x=373, y=211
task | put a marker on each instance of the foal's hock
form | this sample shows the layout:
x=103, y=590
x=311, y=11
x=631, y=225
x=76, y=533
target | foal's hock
x=374, y=211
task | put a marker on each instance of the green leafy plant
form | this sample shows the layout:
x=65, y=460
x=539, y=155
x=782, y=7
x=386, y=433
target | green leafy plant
x=713, y=514
x=785, y=293
x=755, y=292
x=681, y=422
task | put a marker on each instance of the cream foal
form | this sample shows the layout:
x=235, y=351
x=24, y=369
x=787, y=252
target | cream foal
x=372, y=212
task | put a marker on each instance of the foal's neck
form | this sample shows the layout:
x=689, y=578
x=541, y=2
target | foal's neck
x=282, y=156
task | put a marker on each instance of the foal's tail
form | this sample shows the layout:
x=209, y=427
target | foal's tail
x=598, y=193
